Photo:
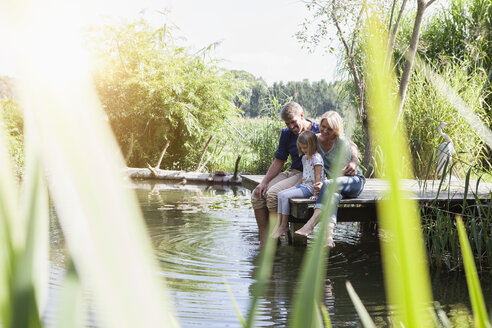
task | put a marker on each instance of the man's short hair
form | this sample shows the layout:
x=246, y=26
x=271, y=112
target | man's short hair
x=290, y=110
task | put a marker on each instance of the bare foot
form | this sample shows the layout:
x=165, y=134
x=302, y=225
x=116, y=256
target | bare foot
x=305, y=231
x=279, y=231
x=329, y=242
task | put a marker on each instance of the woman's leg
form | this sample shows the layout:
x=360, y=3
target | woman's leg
x=308, y=228
x=350, y=186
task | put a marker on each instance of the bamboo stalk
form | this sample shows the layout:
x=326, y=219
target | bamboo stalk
x=203, y=153
x=162, y=154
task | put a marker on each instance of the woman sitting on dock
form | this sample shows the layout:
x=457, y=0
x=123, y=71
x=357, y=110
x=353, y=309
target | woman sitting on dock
x=312, y=173
x=331, y=140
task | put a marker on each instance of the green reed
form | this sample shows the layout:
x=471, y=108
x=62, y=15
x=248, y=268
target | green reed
x=403, y=254
x=440, y=230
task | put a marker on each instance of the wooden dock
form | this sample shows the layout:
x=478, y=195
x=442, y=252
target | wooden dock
x=449, y=195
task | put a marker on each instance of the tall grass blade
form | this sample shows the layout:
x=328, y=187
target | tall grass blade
x=31, y=268
x=364, y=316
x=263, y=274
x=476, y=297
x=442, y=316
x=311, y=280
x=404, y=259
x=467, y=185
x=8, y=216
x=234, y=303
x=35, y=213
x=70, y=306
x=326, y=316
x=99, y=215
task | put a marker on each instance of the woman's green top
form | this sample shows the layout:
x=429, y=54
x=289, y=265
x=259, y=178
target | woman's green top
x=341, y=143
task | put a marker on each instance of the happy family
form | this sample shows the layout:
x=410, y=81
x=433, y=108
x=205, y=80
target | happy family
x=312, y=148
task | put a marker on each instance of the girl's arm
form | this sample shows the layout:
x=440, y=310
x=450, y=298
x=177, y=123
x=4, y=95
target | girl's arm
x=318, y=170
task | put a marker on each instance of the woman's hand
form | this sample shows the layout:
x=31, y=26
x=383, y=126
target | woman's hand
x=350, y=169
x=313, y=197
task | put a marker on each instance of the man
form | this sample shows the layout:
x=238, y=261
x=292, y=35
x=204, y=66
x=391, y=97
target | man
x=264, y=197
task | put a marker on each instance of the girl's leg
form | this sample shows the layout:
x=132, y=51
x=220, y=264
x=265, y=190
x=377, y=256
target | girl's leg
x=282, y=226
x=284, y=209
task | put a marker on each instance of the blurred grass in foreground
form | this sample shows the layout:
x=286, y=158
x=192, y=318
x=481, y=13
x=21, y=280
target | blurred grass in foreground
x=69, y=142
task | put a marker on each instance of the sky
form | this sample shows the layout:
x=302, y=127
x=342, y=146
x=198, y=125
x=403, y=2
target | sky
x=256, y=36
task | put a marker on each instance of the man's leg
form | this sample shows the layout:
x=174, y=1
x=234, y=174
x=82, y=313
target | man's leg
x=261, y=215
x=261, y=204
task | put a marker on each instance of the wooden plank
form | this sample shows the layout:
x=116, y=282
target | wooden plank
x=424, y=190
x=447, y=194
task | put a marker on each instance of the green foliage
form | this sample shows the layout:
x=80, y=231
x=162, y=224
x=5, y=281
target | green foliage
x=460, y=30
x=425, y=109
x=315, y=97
x=406, y=274
x=476, y=297
x=441, y=234
x=253, y=96
x=13, y=123
x=153, y=91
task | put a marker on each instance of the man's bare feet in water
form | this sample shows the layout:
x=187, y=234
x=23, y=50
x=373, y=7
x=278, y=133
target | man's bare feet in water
x=305, y=231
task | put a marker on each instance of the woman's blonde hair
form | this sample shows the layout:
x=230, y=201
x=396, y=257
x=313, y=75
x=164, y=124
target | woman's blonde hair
x=309, y=139
x=334, y=121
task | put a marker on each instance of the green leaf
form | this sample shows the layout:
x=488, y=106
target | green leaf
x=364, y=316
x=476, y=297
x=305, y=312
x=404, y=259
x=263, y=273
x=70, y=305
x=234, y=303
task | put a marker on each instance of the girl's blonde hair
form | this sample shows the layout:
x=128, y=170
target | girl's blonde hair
x=334, y=121
x=309, y=139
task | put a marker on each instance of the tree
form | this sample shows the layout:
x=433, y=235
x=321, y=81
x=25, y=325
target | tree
x=461, y=32
x=254, y=92
x=348, y=19
x=155, y=91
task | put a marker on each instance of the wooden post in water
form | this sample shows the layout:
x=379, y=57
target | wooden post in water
x=300, y=212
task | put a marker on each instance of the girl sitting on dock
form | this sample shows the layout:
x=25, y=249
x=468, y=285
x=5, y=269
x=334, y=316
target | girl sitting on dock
x=312, y=173
x=331, y=140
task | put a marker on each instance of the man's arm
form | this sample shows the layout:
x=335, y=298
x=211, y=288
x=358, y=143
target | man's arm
x=274, y=169
x=351, y=168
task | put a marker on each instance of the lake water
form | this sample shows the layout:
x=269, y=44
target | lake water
x=204, y=237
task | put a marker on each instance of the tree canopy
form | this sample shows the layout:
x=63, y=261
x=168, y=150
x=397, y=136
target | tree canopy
x=255, y=97
x=155, y=91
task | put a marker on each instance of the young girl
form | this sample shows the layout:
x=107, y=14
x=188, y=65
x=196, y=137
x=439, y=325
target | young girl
x=312, y=173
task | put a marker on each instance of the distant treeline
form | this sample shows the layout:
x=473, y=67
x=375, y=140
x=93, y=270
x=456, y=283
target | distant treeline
x=256, y=96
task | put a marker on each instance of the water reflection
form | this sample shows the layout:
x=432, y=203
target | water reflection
x=203, y=236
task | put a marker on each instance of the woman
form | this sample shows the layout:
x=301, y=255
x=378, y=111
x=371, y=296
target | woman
x=331, y=140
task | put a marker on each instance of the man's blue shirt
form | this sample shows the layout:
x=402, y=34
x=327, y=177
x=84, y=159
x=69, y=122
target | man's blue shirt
x=287, y=145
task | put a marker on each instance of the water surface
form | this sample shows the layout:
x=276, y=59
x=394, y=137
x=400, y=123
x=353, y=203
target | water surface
x=205, y=239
